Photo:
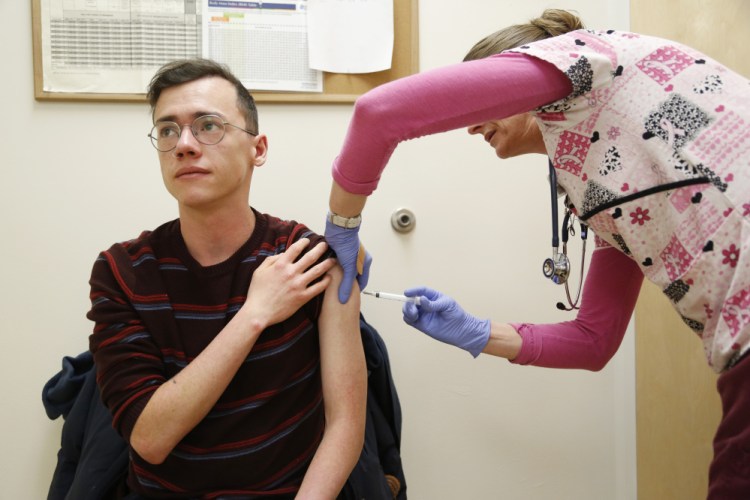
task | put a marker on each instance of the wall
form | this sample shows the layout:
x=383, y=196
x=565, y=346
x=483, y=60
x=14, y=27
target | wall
x=77, y=177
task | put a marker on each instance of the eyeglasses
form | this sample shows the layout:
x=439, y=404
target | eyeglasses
x=207, y=129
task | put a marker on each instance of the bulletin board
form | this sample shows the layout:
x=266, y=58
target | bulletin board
x=337, y=87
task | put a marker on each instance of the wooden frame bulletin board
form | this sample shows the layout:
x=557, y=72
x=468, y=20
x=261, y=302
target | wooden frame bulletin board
x=337, y=87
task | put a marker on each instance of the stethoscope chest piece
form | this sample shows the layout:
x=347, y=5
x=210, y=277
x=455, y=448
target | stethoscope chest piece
x=557, y=268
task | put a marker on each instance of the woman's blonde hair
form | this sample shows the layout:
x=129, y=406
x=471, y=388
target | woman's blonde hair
x=552, y=22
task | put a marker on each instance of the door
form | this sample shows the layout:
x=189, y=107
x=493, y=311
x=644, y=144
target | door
x=484, y=428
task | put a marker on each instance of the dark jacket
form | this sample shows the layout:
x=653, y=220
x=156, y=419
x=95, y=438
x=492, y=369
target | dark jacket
x=92, y=462
x=93, y=459
x=379, y=473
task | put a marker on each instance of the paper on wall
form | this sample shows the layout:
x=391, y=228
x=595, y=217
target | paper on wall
x=350, y=36
x=264, y=43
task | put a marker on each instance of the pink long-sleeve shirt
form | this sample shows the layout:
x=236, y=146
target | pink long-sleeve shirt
x=437, y=101
x=469, y=93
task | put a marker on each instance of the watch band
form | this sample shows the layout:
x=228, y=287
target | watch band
x=345, y=222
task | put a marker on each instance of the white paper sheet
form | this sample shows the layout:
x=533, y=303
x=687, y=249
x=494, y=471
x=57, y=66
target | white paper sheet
x=350, y=36
x=264, y=43
x=114, y=46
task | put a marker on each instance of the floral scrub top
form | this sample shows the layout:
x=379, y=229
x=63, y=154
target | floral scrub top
x=653, y=149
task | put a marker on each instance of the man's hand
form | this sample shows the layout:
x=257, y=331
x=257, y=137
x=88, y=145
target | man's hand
x=352, y=257
x=280, y=286
x=440, y=317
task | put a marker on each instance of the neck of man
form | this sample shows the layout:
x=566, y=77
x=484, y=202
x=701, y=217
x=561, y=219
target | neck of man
x=212, y=236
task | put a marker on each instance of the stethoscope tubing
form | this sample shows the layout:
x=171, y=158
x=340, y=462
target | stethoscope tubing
x=567, y=229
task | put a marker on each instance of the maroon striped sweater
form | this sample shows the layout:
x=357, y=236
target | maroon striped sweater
x=155, y=309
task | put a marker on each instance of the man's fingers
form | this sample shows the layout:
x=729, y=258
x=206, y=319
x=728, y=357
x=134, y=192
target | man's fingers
x=305, y=265
x=293, y=251
x=319, y=286
x=319, y=269
x=311, y=256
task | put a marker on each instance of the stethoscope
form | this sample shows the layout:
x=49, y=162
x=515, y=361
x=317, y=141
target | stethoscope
x=557, y=268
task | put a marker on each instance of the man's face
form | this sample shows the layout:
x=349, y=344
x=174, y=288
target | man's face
x=208, y=176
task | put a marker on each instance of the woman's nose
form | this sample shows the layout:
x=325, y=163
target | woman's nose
x=475, y=129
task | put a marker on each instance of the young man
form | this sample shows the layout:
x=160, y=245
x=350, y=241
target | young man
x=229, y=364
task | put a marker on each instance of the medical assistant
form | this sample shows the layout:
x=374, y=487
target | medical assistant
x=650, y=140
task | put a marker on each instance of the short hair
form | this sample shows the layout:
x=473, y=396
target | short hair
x=188, y=70
x=551, y=23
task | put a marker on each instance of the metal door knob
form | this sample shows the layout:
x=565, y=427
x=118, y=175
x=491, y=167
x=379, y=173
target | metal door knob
x=403, y=220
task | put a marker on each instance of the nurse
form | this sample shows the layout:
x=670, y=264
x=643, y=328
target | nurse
x=650, y=142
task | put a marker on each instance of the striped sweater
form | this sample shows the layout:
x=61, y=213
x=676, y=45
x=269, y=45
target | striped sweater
x=155, y=309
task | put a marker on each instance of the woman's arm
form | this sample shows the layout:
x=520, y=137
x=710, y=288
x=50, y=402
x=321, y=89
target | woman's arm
x=589, y=342
x=435, y=101
x=426, y=103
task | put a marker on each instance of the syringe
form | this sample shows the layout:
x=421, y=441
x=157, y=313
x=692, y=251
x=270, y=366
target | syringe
x=392, y=296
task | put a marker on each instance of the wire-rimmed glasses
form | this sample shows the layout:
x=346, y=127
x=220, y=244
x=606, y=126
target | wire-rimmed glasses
x=207, y=129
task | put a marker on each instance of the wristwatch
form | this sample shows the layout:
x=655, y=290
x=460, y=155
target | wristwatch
x=345, y=222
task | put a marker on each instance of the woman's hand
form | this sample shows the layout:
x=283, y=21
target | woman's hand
x=440, y=317
x=352, y=257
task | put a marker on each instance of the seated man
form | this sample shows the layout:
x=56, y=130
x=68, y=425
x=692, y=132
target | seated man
x=228, y=363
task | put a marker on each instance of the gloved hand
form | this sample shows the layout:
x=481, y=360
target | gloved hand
x=440, y=317
x=352, y=257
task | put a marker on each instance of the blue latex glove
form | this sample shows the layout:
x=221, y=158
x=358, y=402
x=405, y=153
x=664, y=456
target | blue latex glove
x=440, y=317
x=345, y=242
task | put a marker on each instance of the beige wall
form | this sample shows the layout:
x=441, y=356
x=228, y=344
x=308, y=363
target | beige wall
x=77, y=177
